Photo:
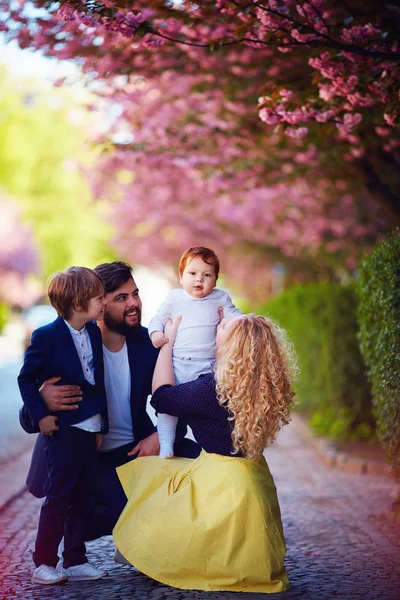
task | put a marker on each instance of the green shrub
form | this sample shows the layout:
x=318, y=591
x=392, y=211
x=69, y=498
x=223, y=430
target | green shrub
x=4, y=314
x=379, y=321
x=332, y=387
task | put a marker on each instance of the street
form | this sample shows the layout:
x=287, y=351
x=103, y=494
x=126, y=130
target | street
x=339, y=542
x=13, y=440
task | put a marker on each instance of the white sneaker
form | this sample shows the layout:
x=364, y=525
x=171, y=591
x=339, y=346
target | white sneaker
x=84, y=572
x=48, y=575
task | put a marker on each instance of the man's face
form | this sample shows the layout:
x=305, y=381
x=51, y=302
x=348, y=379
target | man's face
x=123, y=310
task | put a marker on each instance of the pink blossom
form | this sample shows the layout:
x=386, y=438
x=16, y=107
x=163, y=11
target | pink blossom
x=357, y=152
x=382, y=131
x=303, y=37
x=390, y=119
x=296, y=134
x=326, y=92
x=350, y=120
x=324, y=116
x=266, y=116
x=359, y=33
x=286, y=95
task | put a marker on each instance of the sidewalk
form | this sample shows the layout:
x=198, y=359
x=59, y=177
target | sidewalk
x=349, y=457
x=340, y=543
x=12, y=476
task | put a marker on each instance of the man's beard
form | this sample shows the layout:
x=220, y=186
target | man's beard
x=121, y=326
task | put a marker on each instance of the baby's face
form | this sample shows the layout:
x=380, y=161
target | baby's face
x=198, y=279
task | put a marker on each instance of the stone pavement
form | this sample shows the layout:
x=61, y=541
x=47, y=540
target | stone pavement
x=340, y=545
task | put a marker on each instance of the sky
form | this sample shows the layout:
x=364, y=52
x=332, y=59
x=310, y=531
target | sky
x=26, y=63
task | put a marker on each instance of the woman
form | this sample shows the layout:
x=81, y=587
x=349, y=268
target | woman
x=214, y=523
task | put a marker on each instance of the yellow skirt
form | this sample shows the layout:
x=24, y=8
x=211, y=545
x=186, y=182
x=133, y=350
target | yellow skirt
x=212, y=523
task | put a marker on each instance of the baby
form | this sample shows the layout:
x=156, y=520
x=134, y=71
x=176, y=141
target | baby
x=195, y=344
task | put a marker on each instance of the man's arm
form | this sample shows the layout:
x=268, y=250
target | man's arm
x=60, y=397
x=55, y=397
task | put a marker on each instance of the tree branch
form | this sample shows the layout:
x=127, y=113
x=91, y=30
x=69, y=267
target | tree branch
x=312, y=44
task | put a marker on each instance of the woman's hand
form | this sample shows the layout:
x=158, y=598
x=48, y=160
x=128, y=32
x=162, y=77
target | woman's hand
x=164, y=372
x=171, y=328
x=158, y=339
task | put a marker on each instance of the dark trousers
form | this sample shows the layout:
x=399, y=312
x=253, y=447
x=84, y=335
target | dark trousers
x=110, y=497
x=70, y=496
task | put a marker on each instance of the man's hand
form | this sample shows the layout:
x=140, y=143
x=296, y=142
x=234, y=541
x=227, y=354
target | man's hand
x=48, y=425
x=158, y=339
x=150, y=446
x=60, y=397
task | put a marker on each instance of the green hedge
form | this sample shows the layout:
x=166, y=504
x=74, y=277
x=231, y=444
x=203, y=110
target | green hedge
x=379, y=321
x=332, y=387
x=4, y=315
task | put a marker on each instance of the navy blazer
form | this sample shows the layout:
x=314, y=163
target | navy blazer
x=142, y=358
x=52, y=352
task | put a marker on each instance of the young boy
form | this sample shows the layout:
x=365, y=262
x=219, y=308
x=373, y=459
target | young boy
x=70, y=347
x=195, y=344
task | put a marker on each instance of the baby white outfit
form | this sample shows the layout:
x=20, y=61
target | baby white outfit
x=195, y=347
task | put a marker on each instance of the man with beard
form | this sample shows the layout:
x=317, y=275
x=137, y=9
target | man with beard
x=129, y=361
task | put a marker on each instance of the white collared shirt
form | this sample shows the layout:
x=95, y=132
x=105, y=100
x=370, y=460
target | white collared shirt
x=83, y=347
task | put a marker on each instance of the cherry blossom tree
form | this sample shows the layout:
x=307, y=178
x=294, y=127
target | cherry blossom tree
x=265, y=128
x=18, y=257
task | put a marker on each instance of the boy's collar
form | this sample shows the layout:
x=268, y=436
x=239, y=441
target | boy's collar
x=73, y=330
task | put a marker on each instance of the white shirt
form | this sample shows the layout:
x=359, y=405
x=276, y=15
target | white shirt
x=117, y=379
x=196, y=336
x=83, y=347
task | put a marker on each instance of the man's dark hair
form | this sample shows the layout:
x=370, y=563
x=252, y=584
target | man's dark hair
x=114, y=275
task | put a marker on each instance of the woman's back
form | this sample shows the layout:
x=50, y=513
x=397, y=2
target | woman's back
x=196, y=402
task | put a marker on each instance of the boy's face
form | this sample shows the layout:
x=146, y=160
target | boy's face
x=198, y=278
x=95, y=310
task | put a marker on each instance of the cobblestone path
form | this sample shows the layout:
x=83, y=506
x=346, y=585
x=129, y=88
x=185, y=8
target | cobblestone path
x=338, y=544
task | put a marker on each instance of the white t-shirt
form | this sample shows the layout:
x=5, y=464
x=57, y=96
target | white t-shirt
x=117, y=379
x=196, y=336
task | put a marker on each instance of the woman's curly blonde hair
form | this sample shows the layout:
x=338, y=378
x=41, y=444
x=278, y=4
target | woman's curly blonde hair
x=254, y=370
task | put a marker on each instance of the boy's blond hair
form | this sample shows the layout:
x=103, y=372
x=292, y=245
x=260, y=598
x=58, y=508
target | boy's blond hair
x=74, y=286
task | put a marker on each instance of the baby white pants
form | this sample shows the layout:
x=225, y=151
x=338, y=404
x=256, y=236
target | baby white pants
x=185, y=369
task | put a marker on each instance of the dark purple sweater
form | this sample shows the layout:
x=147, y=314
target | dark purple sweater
x=197, y=404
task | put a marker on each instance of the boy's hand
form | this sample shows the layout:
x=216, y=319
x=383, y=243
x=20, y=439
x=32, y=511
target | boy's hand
x=99, y=439
x=48, y=425
x=158, y=339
